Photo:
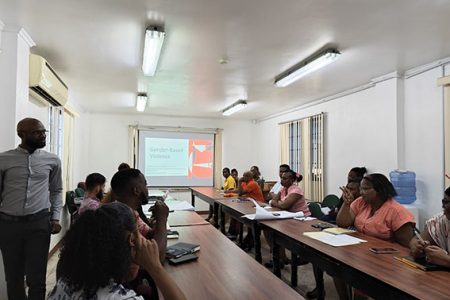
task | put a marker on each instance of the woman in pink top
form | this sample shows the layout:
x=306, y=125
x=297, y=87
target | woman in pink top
x=291, y=197
x=376, y=213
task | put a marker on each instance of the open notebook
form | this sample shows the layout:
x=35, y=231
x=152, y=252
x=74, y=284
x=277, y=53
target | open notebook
x=335, y=240
x=263, y=214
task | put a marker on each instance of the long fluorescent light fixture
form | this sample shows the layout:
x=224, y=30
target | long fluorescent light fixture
x=154, y=39
x=236, y=106
x=297, y=72
x=141, y=102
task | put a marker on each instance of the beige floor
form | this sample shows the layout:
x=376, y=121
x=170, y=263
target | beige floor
x=305, y=274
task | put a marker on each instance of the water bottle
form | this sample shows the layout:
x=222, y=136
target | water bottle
x=405, y=184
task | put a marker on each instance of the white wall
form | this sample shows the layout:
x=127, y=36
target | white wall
x=360, y=130
x=424, y=139
x=363, y=129
x=106, y=136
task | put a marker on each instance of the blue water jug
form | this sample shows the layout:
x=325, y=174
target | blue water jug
x=405, y=184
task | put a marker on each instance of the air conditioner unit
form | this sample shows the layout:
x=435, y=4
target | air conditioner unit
x=45, y=84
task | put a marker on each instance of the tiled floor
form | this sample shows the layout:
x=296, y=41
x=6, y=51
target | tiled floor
x=305, y=274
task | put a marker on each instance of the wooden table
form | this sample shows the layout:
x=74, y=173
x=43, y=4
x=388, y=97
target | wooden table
x=223, y=271
x=236, y=209
x=233, y=207
x=209, y=195
x=185, y=218
x=379, y=275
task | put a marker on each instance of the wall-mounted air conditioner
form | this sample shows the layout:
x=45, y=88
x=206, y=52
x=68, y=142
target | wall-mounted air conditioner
x=45, y=84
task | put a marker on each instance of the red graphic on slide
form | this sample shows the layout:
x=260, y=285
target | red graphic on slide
x=201, y=158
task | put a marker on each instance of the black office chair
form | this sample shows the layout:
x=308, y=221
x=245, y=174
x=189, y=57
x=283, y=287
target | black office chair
x=71, y=206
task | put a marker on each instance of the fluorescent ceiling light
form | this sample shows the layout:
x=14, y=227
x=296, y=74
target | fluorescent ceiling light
x=236, y=106
x=141, y=102
x=297, y=72
x=154, y=39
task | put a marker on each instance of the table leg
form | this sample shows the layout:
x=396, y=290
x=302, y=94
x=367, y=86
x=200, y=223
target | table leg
x=222, y=220
x=193, y=199
x=241, y=234
x=318, y=276
x=294, y=268
x=216, y=214
x=257, y=241
x=276, y=257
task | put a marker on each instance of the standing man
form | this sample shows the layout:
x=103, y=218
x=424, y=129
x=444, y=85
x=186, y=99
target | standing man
x=30, y=209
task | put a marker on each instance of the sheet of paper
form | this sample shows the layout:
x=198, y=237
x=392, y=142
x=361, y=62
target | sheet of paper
x=305, y=218
x=333, y=239
x=338, y=230
x=262, y=214
x=172, y=204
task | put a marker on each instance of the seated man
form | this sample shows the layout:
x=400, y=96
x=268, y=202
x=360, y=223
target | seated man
x=249, y=188
x=229, y=184
x=130, y=187
x=95, y=187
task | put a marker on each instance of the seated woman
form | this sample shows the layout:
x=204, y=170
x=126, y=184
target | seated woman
x=376, y=213
x=289, y=198
x=436, y=237
x=355, y=174
x=97, y=253
x=352, y=187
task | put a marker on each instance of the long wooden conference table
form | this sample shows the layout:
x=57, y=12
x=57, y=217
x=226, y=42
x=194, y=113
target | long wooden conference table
x=223, y=270
x=378, y=275
x=234, y=208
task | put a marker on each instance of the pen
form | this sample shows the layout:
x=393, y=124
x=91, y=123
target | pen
x=407, y=262
x=417, y=233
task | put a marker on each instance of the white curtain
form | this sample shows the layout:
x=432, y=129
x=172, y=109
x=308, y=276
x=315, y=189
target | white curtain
x=301, y=146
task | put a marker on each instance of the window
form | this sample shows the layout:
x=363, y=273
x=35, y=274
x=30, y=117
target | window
x=303, y=151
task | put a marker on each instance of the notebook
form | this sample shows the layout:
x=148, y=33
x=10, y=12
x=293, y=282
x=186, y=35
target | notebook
x=180, y=249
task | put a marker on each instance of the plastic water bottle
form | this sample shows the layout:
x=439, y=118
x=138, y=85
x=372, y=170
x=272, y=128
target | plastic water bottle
x=405, y=184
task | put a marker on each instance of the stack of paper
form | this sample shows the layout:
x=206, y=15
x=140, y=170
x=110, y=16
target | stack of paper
x=338, y=230
x=335, y=240
x=262, y=214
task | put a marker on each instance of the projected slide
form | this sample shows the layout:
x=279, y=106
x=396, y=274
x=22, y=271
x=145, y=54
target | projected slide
x=177, y=159
x=166, y=157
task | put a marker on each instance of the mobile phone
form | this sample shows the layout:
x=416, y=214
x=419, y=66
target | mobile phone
x=183, y=259
x=322, y=226
x=383, y=250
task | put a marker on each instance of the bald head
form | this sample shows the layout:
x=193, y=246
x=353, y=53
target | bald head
x=32, y=132
x=247, y=176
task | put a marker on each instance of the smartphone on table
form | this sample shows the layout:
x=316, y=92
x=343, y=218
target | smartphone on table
x=383, y=250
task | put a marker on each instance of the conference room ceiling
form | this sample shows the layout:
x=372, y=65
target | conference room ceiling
x=96, y=47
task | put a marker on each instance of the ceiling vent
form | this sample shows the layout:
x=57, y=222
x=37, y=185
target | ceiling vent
x=45, y=84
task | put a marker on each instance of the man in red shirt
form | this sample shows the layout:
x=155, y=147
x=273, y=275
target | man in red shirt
x=249, y=188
